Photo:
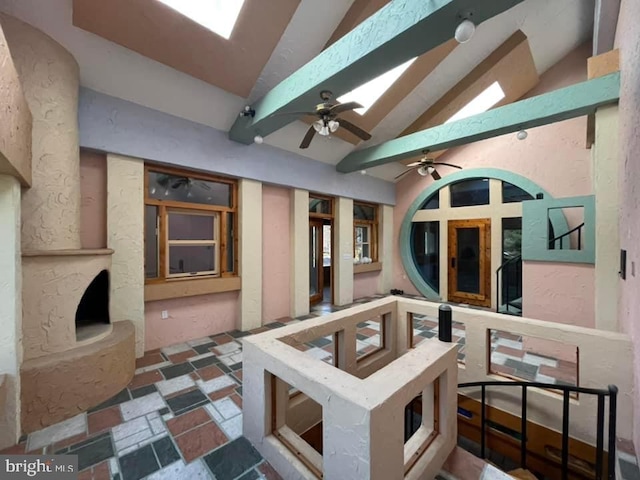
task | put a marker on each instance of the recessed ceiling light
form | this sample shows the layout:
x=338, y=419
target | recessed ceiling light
x=483, y=102
x=219, y=16
x=367, y=94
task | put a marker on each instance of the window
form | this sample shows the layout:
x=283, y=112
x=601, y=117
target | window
x=365, y=232
x=483, y=102
x=189, y=225
x=219, y=16
x=513, y=194
x=425, y=245
x=470, y=192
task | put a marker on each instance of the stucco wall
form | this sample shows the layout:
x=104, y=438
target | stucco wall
x=365, y=284
x=628, y=41
x=553, y=156
x=276, y=253
x=93, y=189
x=189, y=318
x=50, y=80
x=15, y=128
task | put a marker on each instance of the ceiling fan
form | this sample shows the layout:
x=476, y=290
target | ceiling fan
x=426, y=166
x=327, y=119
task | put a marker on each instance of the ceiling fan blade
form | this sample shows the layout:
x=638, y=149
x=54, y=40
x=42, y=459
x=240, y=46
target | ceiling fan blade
x=435, y=175
x=357, y=131
x=404, y=173
x=449, y=165
x=308, y=137
x=415, y=164
x=344, y=107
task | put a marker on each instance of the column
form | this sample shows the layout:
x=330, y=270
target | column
x=385, y=248
x=343, y=252
x=250, y=259
x=299, y=252
x=125, y=235
x=10, y=311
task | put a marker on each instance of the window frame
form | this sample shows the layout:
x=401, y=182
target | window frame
x=372, y=226
x=221, y=227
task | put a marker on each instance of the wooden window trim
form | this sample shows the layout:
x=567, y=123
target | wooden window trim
x=322, y=215
x=373, y=233
x=221, y=224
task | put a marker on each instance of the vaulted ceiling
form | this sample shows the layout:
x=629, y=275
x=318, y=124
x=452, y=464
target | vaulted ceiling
x=271, y=40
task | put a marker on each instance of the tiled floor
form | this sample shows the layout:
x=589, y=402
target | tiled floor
x=181, y=416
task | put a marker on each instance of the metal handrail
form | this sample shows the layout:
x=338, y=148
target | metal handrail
x=611, y=392
x=498, y=283
x=553, y=241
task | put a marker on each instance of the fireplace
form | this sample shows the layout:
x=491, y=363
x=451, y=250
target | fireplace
x=92, y=315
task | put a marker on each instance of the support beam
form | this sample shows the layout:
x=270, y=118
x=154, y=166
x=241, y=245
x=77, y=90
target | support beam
x=563, y=104
x=401, y=30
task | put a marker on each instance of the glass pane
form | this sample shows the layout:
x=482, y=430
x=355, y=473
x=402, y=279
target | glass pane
x=314, y=263
x=191, y=259
x=319, y=205
x=470, y=192
x=366, y=251
x=511, y=273
x=511, y=237
x=326, y=245
x=363, y=212
x=163, y=186
x=230, y=243
x=184, y=226
x=150, y=241
x=425, y=244
x=468, y=261
x=432, y=203
x=512, y=194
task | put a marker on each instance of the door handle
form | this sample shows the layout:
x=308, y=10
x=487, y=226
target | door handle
x=453, y=262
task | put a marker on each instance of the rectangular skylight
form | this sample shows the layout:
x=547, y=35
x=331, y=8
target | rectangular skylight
x=219, y=16
x=483, y=102
x=367, y=94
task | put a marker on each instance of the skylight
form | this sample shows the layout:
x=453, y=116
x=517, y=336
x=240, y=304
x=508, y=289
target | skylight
x=219, y=16
x=483, y=102
x=367, y=94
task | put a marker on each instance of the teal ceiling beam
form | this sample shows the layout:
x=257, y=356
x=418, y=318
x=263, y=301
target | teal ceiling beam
x=563, y=104
x=401, y=30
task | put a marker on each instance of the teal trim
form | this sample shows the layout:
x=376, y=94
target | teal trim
x=406, y=254
x=401, y=30
x=569, y=102
x=535, y=234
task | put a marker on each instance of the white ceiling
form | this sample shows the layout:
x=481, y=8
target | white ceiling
x=554, y=28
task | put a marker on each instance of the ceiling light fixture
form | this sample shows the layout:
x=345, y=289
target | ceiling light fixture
x=247, y=112
x=522, y=134
x=325, y=128
x=258, y=139
x=465, y=31
x=363, y=172
x=424, y=171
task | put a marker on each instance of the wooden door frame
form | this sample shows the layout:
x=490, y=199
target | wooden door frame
x=483, y=299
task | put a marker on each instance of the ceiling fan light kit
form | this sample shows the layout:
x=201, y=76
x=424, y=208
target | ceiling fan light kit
x=427, y=166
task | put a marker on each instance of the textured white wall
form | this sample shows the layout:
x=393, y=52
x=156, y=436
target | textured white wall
x=343, y=252
x=10, y=310
x=125, y=235
x=250, y=259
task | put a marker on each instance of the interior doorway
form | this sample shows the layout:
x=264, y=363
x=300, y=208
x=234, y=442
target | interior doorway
x=469, y=269
x=320, y=250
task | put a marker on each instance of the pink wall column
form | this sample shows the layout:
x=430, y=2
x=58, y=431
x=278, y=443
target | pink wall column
x=365, y=284
x=276, y=253
x=189, y=318
x=93, y=199
x=628, y=41
x=553, y=156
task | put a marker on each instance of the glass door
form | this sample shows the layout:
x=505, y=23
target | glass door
x=470, y=262
x=316, y=270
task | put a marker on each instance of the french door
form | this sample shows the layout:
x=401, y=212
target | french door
x=470, y=262
x=316, y=271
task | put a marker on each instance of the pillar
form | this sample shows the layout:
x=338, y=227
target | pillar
x=385, y=248
x=250, y=254
x=343, y=252
x=299, y=252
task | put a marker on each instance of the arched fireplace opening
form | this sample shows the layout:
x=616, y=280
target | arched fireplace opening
x=92, y=315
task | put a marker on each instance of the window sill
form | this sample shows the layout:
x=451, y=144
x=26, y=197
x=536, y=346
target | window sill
x=367, y=267
x=189, y=287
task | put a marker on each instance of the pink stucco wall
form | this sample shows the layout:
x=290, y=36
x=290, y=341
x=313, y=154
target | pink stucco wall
x=365, y=284
x=93, y=206
x=276, y=253
x=189, y=318
x=628, y=41
x=553, y=156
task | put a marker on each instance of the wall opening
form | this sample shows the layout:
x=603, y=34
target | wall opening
x=92, y=315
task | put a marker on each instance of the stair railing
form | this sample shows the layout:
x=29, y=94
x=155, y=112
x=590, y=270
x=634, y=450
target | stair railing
x=517, y=261
x=611, y=392
x=560, y=238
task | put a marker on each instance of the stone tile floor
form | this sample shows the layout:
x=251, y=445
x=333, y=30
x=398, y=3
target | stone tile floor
x=181, y=416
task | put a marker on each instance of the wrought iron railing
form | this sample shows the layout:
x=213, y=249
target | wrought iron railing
x=553, y=243
x=509, y=282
